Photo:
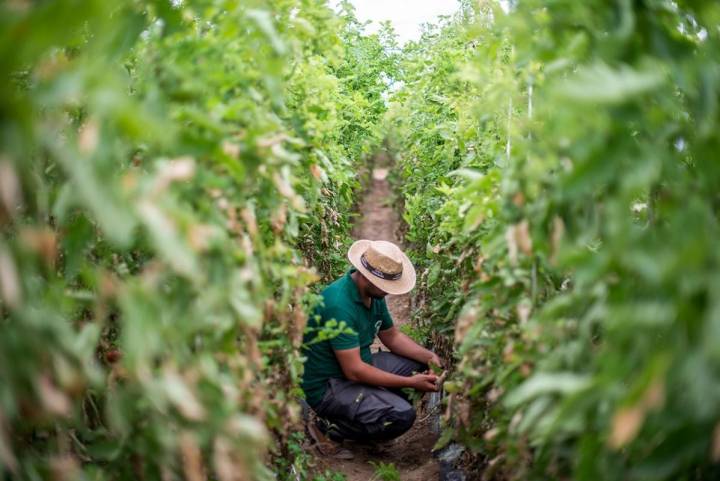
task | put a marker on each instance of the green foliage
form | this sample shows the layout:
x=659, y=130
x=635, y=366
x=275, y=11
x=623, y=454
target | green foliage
x=385, y=472
x=174, y=175
x=169, y=172
x=415, y=332
x=560, y=182
x=330, y=476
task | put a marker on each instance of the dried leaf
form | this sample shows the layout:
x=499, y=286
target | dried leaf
x=248, y=427
x=515, y=421
x=181, y=396
x=465, y=321
x=42, y=241
x=10, y=191
x=494, y=394
x=715, y=452
x=479, y=264
x=628, y=420
x=626, y=423
x=283, y=185
x=191, y=457
x=248, y=216
x=519, y=199
x=509, y=351
x=52, y=399
x=176, y=170
x=65, y=468
x=463, y=411
x=518, y=239
x=229, y=466
x=272, y=140
x=10, y=289
x=168, y=242
x=200, y=236
x=88, y=137
x=282, y=182
x=317, y=172
x=299, y=322
x=278, y=219
x=450, y=407
x=231, y=149
x=522, y=236
x=524, y=309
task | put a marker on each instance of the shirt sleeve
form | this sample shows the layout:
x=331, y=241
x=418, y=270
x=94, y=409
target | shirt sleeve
x=348, y=339
x=387, y=321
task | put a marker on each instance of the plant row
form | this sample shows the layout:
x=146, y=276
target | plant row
x=172, y=178
x=559, y=172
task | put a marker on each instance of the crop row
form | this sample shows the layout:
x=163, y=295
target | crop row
x=559, y=169
x=170, y=175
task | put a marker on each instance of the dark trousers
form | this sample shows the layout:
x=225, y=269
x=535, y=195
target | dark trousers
x=352, y=410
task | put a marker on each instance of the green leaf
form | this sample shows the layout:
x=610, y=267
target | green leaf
x=114, y=217
x=263, y=19
x=601, y=84
x=166, y=238
x=547, y=383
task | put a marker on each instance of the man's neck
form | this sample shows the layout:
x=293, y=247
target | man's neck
x=366, y=299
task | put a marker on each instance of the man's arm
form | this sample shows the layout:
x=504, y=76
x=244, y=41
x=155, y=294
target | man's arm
x=401, y=344
x=357, y=370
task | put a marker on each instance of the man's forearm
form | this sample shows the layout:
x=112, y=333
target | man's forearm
x=402, y=345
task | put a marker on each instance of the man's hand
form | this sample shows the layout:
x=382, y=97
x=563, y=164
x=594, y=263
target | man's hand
x=355, y=369
x=435, y=360
x=424, y=382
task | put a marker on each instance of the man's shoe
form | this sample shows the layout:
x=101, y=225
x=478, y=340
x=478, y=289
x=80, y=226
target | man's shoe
x=325, y=445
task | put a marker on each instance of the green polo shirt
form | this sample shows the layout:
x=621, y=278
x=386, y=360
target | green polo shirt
x=341, y=302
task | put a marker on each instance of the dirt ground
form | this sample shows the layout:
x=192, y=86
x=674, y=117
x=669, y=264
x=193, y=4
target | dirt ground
x=410, y=453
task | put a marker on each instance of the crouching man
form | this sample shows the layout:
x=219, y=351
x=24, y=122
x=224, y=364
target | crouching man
x=358, y=395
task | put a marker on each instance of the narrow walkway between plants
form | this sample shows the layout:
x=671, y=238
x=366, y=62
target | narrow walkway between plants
x=411, y=453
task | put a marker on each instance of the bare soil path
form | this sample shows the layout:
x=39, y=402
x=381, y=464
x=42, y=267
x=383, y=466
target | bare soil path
x=411, y=452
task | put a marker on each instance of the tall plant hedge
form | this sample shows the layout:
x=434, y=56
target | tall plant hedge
x=559, y=168
x=172, y=178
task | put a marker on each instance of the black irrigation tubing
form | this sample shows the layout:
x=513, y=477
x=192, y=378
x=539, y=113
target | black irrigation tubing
x=449, y=456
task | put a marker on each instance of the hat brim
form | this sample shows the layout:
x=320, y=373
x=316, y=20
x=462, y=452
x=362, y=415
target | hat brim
x=400, y=286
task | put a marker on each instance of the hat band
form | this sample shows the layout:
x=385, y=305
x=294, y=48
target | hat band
x=379, y=273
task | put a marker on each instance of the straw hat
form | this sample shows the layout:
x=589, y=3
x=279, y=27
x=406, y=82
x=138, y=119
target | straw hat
x=383, y=264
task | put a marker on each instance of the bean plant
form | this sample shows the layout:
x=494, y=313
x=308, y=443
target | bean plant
x=173, y=178
x=558, y=166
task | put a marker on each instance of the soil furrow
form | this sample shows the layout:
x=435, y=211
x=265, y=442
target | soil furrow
x=410, y=453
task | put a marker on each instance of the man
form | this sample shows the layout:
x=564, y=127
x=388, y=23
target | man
x=358, y=395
